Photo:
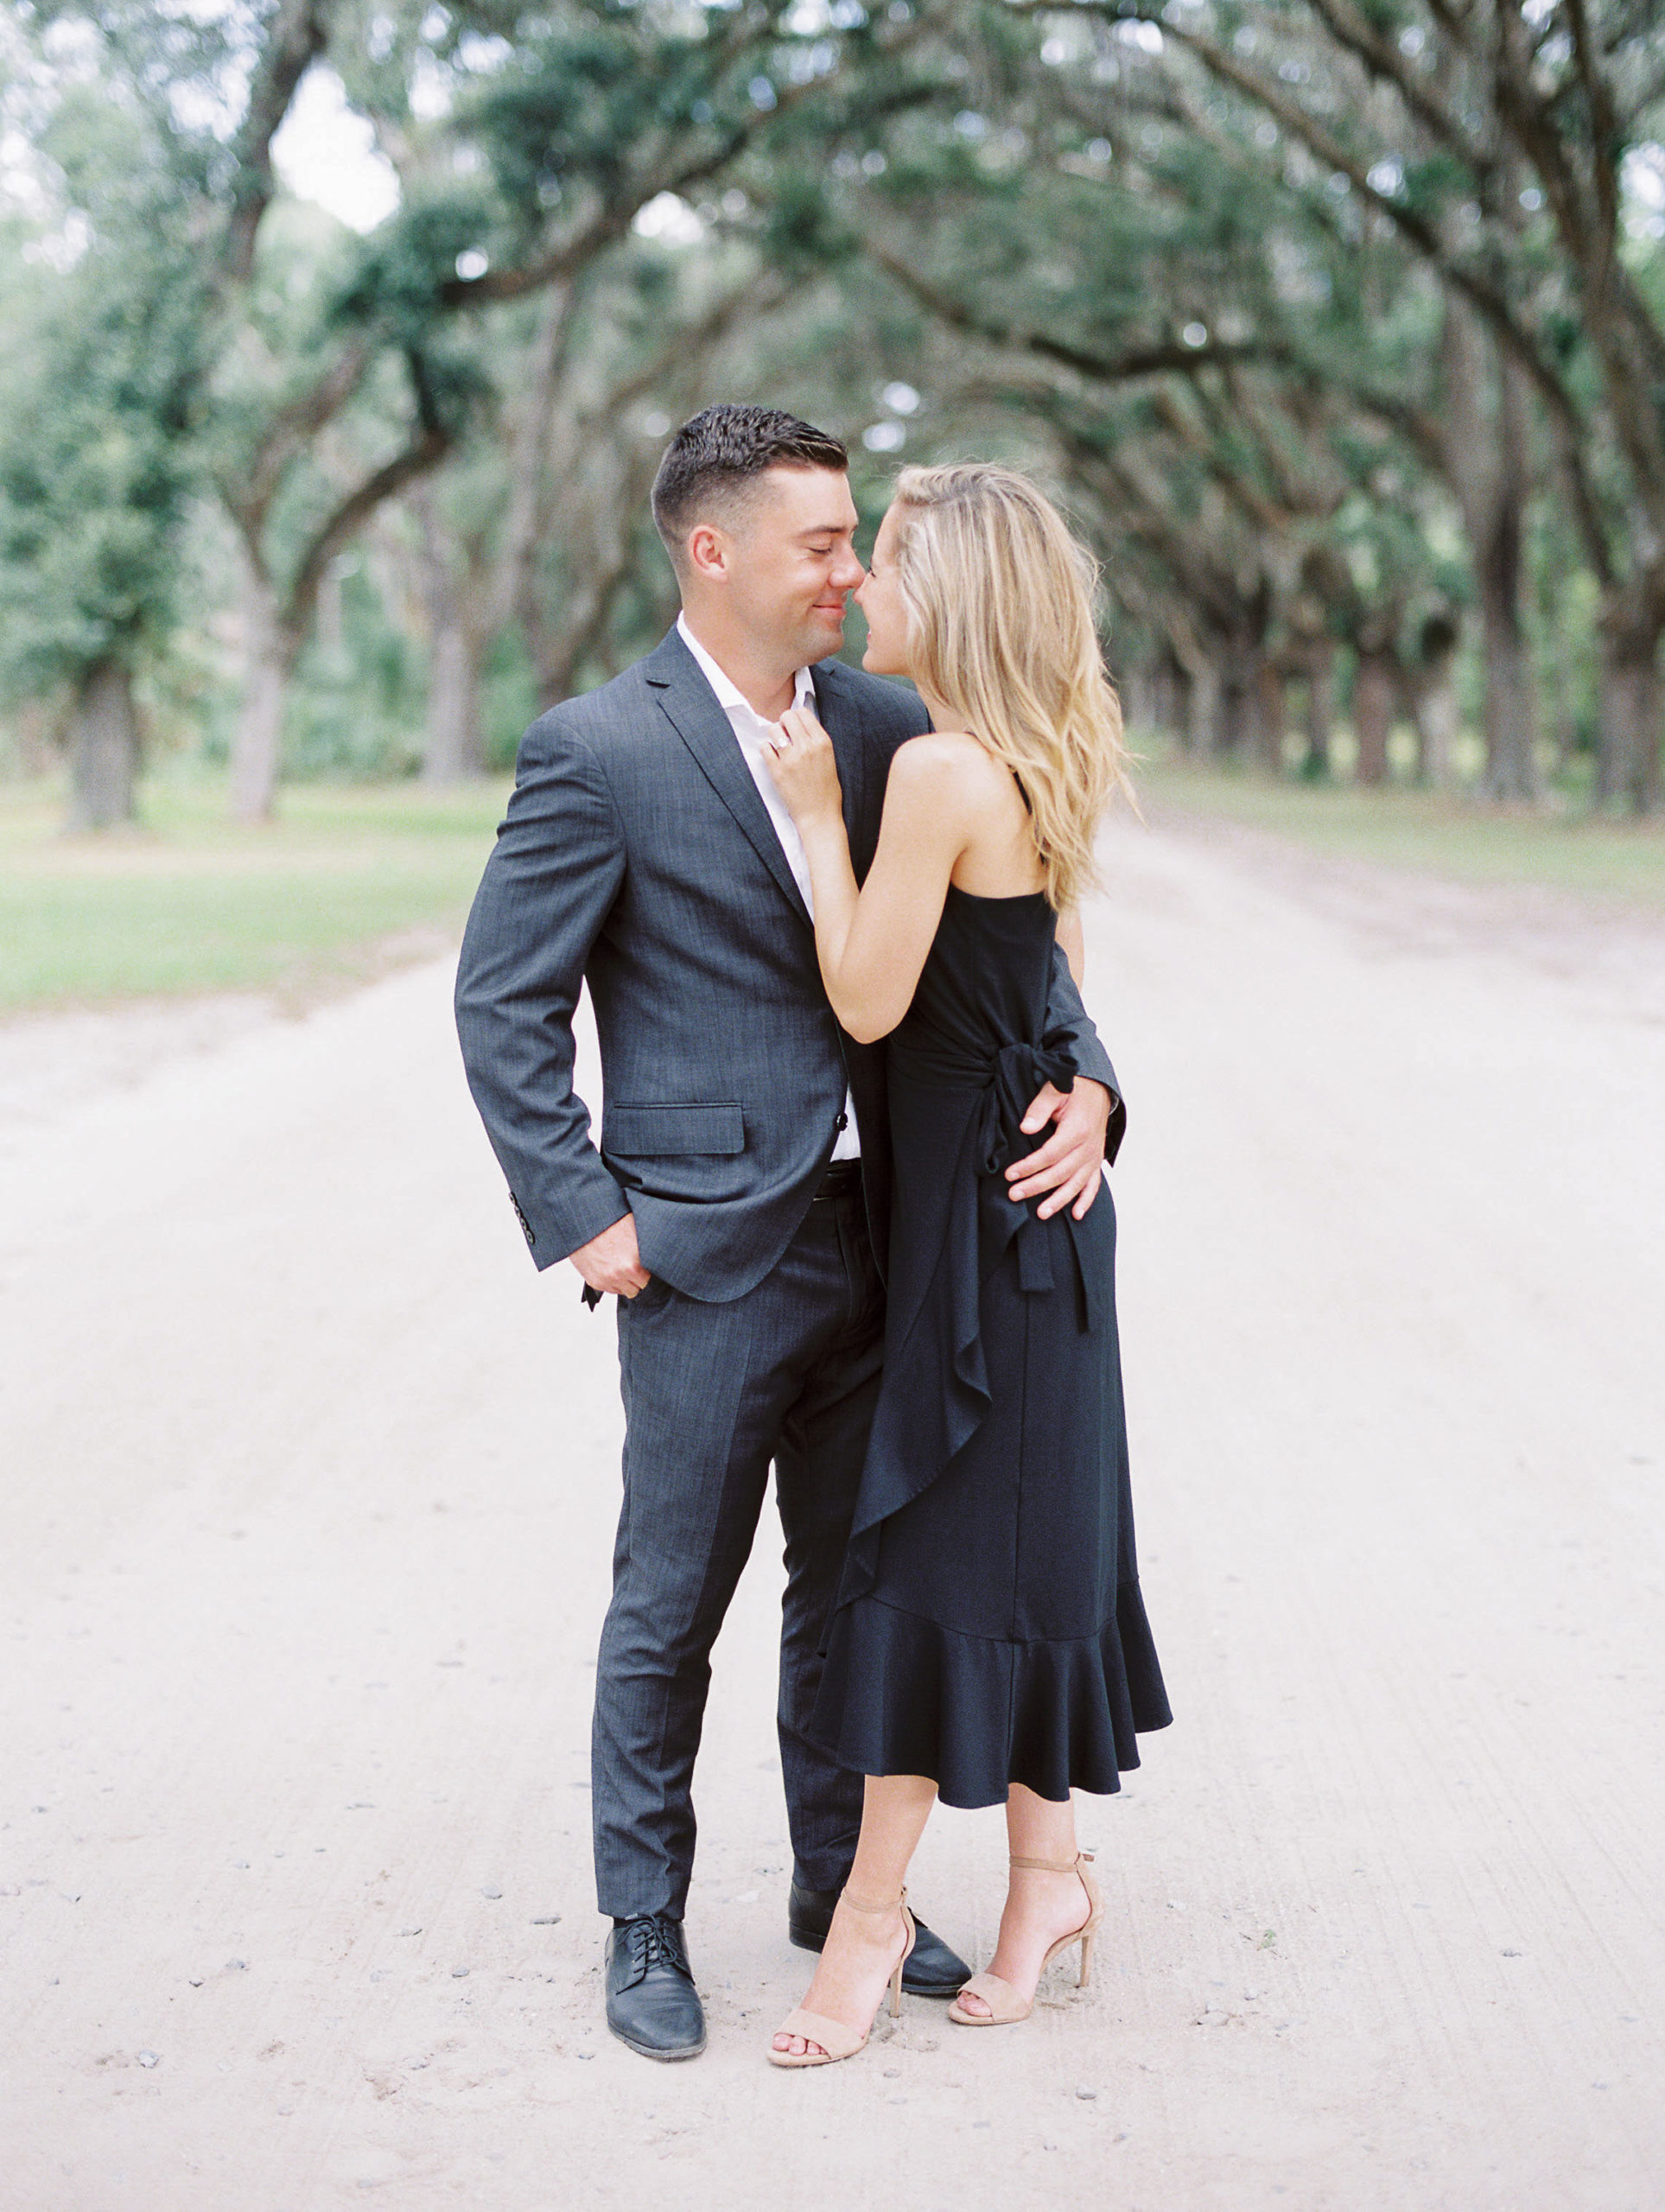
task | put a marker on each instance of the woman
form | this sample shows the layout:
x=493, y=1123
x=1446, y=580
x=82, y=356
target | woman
x=989, y=1644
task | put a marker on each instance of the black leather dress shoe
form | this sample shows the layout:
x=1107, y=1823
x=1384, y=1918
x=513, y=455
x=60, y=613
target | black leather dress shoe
x=932, y=1969
x=652, y=2003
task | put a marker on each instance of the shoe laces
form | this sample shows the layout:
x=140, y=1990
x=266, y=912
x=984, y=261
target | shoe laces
x=655, y=1942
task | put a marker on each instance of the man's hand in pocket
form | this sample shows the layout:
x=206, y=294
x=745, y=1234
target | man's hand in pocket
x=613, y=1261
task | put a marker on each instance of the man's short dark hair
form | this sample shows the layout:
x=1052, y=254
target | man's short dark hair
x=717, y=457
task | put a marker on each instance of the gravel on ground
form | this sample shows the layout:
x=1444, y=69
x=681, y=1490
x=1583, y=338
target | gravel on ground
x=309, y=1483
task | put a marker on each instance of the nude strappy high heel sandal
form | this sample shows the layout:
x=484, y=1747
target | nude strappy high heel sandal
x=1006, y=2007
x=836, y=2040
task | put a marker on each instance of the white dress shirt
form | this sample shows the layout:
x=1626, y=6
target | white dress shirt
x=750, y=730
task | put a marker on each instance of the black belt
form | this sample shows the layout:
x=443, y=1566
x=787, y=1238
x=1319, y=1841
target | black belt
x=841, y=1180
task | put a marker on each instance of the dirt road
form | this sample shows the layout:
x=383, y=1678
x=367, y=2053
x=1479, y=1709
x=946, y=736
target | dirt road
x=309, y=1488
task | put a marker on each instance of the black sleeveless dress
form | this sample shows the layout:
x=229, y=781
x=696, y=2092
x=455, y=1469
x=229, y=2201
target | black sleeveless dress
x=989, y=1627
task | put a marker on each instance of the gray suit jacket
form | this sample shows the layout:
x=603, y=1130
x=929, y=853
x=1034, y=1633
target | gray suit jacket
x=638, y=854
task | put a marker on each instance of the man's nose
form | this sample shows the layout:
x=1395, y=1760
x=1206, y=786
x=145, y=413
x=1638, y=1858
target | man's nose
x=848, y=573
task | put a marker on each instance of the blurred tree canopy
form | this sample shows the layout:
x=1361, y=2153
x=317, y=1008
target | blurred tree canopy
x=1339, y=326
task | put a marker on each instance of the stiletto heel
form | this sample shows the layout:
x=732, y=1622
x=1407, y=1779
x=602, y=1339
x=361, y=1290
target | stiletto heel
x=836, y=2040
x=1006, y=2007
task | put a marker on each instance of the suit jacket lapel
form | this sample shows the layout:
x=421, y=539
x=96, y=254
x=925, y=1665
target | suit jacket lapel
x=851, y=754
x=691, y=707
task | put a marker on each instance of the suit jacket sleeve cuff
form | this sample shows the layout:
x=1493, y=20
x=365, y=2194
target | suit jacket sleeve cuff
x=590, y=1202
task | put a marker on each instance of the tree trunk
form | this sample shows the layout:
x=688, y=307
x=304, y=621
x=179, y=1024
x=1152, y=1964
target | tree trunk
x=595, y=489
x=1203, y=708
x=330, y=624
x=1489, y=464
x=1375, y=689
x=514, y=596
x=269, y=652
x=561, y=649
x=1133, y=688
x=41, y=728
x=1511, y=719
x=1236, y=713
x=1560, y=719
x=1181, y=691
x=1320, y=718
x=104, y=748
x=1628, y=716
x=1271, y=715
x=454, y=750
x=1434, y=718
x=1430, y=701
x=1166, y=694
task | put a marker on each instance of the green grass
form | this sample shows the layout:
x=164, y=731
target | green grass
x=189, y=901
x=1607, y=861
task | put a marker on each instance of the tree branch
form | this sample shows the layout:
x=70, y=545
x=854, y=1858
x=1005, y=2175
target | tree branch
x=1604, y=129
x=1139, y=361
x=1383, y=59
x=432, y=440
x=611, y=221
x=1477, y=290
x=292, y=427
x=298, y=34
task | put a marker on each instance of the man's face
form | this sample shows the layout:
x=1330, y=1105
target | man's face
x=791, y=563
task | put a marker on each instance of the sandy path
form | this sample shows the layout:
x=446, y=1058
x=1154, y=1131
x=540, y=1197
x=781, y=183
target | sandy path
x=309, y=1484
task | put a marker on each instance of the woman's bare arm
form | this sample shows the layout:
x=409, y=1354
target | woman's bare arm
x=872, y=940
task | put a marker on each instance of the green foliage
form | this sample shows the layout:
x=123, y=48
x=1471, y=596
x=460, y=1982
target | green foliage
x=401, y=270
x=570, y=111
x=803, y=232
x=96, y=467
x=993, y=210
x=97, y=460
x=357, y=708
x=508, y=699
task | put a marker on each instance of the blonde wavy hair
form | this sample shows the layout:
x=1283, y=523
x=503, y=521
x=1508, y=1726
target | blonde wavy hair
x=1000, y=599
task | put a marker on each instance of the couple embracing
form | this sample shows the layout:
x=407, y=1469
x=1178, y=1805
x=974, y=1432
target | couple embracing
x=849, y=1195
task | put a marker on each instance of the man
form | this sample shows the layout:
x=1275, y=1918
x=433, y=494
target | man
x=738, y=1200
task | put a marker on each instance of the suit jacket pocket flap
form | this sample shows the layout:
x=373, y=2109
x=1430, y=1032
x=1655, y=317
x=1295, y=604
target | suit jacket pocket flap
x=634, y=1132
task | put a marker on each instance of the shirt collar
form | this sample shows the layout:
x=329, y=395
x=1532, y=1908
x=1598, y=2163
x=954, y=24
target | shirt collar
x=728, y=695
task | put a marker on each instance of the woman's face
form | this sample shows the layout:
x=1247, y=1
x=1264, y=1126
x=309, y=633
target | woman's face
x=880, y=598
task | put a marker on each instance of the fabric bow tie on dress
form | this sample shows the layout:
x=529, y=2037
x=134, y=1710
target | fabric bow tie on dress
x=1017, y=1075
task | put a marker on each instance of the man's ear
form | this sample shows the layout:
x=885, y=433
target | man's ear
x=707, y=551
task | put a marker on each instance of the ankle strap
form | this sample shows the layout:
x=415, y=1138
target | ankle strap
x=889, y=1905
x=1056, y=1866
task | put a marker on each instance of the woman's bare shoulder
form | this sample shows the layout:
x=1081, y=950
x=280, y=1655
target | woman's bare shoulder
x=936, y=748
x=947, y=758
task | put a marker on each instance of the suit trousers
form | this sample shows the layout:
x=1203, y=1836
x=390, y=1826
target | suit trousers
x=713, y=1393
